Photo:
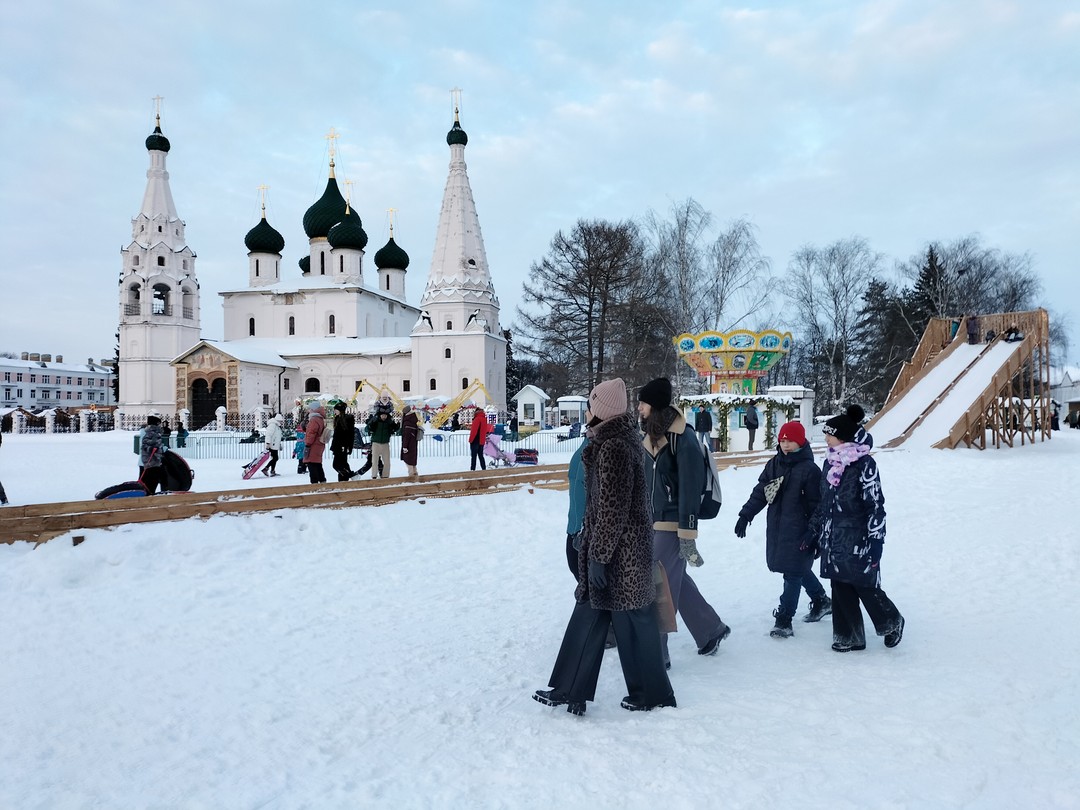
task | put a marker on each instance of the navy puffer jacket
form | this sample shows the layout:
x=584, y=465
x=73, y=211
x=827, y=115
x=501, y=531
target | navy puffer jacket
x=786, y=548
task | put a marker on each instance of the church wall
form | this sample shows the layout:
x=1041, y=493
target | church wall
x=338, y=375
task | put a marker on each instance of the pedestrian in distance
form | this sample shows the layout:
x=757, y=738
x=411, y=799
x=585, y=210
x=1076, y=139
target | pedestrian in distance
x=789, y=488
x=273, y=444
x=341, y=443
x=478, y=433
x=675, y=475
x=381, y=426
x=151, y=448
x=848, y=531
x=973, y=330
x=614, y=570
x=752, y=421
x=315, y=444
x=3, y=495
x=410, y=439
x=703, y=425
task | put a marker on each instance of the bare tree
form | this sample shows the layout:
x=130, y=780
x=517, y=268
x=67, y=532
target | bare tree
x=826, y=285
x=577, y=290
x=739, y=277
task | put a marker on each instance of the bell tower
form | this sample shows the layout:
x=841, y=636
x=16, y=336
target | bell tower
x=159, y=294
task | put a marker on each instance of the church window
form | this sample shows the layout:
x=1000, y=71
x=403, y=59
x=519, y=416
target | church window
x=341, y=264
x=266, y=399
x=160, y=261
x=406, y=386
x=312, y=386
x=431, y=384
x=292, y=327
x=159, y=229
x=285, y=383
x=187, y=300
x=464, y=383
x=446, y=353
x=388, y=282
x=251, y=327
x=160, y=303
x=322, y=264
x=449, y=325
x=332, y=324
x=135, y=261
x=256, y=268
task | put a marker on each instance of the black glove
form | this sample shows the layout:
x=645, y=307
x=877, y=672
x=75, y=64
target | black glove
x=597, y=575
x=740, y=526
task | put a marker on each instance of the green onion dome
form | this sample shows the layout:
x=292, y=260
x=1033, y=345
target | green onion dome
x=264, y=239
x=305, y=265
x=327, y=211
x=456, y=135
x=391, y=256
x=157, y=141
x=349, y=233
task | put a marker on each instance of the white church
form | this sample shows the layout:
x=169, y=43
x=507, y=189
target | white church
x=319, y=330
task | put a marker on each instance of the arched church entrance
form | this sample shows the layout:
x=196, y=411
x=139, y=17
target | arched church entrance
x=206, y=397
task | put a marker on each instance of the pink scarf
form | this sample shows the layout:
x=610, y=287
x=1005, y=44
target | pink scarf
x=840, y=457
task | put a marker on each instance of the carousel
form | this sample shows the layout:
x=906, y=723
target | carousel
x=733, y=361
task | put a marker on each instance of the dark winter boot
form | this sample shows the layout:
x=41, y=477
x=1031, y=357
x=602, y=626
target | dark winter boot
x=892, y=638
x=819, y=608
x=553, y=697
x=782, y=628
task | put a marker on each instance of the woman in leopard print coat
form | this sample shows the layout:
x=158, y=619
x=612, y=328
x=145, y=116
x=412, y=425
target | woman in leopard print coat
x=615, y=579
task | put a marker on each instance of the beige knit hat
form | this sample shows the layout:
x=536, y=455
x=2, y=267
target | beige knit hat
x=608, y=399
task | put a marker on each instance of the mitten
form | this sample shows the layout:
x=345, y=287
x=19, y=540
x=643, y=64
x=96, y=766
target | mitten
x=688, y=551
x=740, y=526
x=597, y=575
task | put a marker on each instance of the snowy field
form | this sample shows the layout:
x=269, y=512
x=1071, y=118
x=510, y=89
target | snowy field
x=385, y=657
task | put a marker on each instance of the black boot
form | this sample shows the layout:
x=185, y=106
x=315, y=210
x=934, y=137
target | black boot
x=782, y=628
x=634, y=706
x=892, y=638
x=553, y=697
x=819, y=608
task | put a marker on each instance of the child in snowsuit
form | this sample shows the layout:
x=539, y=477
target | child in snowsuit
x=298, y=450
x=790, y=486
x=848, y=528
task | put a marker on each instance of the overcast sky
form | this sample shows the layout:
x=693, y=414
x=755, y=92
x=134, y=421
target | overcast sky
x=901, y=122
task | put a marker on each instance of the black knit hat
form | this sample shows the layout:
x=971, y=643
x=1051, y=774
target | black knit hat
x=846, y=425
x=656, y=392
x=341, y=406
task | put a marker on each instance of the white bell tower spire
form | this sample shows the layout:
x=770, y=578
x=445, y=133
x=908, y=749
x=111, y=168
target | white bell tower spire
x=159, y=293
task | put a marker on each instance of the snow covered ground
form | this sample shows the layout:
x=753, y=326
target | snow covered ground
x=385, y=657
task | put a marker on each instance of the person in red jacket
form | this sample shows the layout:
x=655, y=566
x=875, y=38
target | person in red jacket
x=478, y=434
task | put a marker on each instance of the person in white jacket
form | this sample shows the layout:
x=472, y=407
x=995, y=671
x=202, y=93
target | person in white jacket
x=273, y=444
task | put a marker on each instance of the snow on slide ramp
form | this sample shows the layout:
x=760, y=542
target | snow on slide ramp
x=920, y=396
x=948, y=412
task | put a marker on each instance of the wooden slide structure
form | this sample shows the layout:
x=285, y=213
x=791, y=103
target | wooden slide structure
x=991, y=394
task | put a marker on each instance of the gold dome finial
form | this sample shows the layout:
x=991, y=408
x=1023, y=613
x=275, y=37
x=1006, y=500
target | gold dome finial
x=332, y=137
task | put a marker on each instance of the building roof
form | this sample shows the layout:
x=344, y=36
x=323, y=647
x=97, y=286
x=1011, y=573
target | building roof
x=41, y=365
x=531, y=389
x=263, y=238
x=282, y=352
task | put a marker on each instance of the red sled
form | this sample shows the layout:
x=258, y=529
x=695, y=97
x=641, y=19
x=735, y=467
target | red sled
x=128, y=489
x=256, y=464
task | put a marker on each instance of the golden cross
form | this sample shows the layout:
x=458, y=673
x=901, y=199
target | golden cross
x=348, y=194
x=262, y=193
x=157, y=106
x=332, y=136
x=455, y=94
x=391, y=211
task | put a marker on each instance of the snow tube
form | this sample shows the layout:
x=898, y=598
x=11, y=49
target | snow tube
x=178, y=475
x=128, y=489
